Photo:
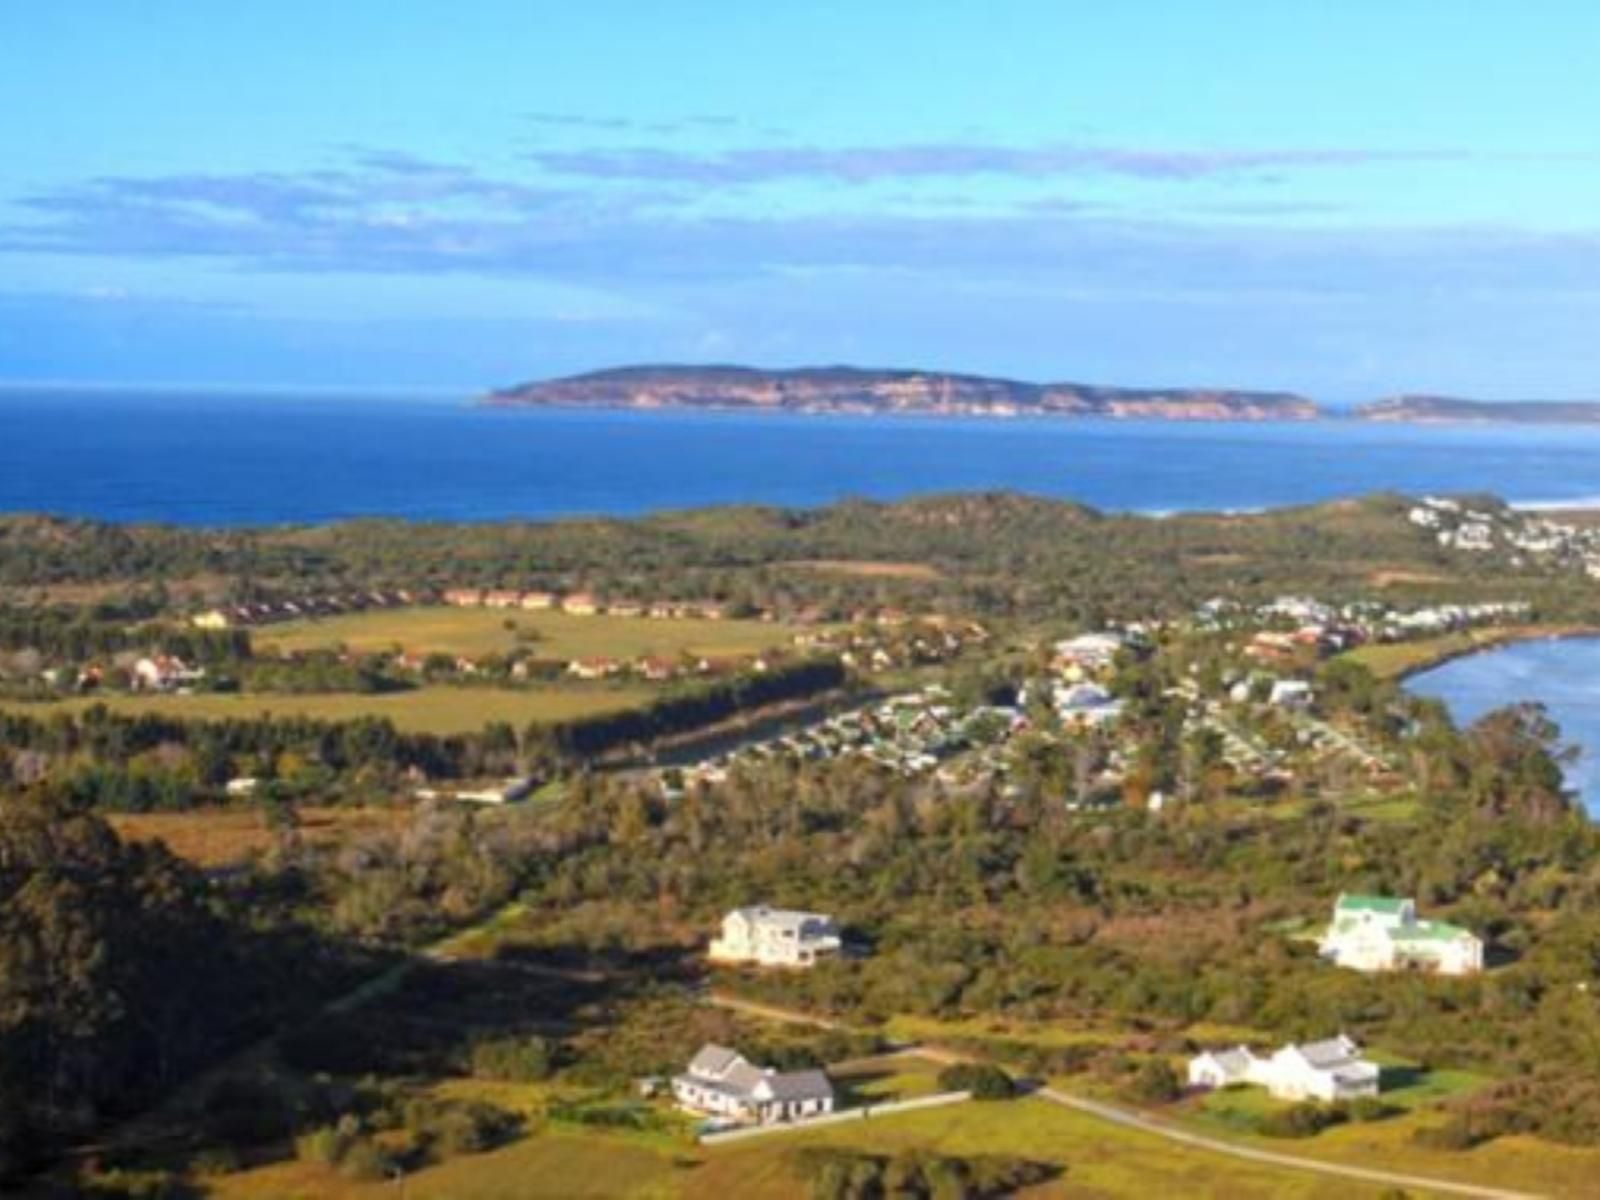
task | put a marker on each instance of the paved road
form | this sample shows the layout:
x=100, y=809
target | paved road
x=1159, y=1128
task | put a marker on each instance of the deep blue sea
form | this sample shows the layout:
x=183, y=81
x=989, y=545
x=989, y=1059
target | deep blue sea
x=230, y=459
x=1563, y=674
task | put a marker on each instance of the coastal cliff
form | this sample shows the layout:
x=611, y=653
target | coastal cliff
x=856, y=390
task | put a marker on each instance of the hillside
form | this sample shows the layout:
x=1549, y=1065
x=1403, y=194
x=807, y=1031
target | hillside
x=1451, y=408
x=856, y=390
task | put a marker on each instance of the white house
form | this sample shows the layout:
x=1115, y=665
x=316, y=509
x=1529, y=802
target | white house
x=721, y=1082
x=775, y=937
x=1383, y=933
x=164, y=673
x=1085, y=704
x=1089, y=651
x=1219, y=1068
x=1290, y=693
x=1332, y=1069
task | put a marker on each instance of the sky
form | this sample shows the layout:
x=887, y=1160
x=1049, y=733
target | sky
x=1346, y=200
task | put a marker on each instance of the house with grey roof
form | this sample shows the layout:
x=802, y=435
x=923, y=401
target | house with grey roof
x=1384, y=933
x=723, y=1083
x=775, y=937
x=1330, y=1069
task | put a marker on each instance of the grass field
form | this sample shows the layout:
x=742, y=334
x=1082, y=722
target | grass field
x=441, y=710
x=475, y=632
x=1097, y=1160
x=214, y=837
x=1391, y=661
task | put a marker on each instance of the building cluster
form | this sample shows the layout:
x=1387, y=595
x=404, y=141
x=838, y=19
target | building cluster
x=911, y=734
x=584, y=604
x=271, y=612
x=1524, y=537
x=1296, y=629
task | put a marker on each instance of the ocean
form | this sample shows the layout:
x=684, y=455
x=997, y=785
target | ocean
x=232, y=459
x=1562, y=674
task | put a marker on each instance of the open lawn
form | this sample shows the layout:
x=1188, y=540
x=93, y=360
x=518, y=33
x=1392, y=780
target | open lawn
x=475, y=632
x=216, y=837
x=441, y=709
x=885, y=1078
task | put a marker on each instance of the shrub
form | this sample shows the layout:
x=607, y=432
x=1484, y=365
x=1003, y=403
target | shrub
x=1155, y=1083
x=1370, y=1108
x=984, y=1080
x=838, y=1174
x=515, y=1060
x=1454, y=1134
x=365, y=1160
x=324, y=1145
x=1300, y=1120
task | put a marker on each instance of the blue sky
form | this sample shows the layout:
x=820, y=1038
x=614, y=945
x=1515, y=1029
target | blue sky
x=1343, y=199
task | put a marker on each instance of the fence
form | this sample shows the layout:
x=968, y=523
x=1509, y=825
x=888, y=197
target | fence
x=836, y=1118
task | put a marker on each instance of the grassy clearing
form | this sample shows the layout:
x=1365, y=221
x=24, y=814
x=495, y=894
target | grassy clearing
x=440, y=710
x=1519, y=1163
x=216, y=837
x=1097, y=1159
x=886, y=1078
x=862, y=569
x=1406, y=658
x=475, y=632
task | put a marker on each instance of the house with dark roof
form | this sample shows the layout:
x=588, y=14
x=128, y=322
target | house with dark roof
x=723, y=1083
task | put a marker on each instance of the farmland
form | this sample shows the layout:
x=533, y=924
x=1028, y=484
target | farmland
x=475, y=632
x=439, y=710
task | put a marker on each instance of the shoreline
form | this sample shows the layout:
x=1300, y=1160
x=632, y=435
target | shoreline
x=1496, y=639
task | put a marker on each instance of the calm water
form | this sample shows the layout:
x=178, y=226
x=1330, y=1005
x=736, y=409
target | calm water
x=221, y=459
x=1562, y=674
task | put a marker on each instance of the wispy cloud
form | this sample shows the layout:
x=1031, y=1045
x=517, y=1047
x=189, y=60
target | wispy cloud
x=864, y=164
x=587, y=123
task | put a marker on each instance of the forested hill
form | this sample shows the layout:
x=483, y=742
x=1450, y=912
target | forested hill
x=855, y=390
x=985, y=553
x=1452, y=408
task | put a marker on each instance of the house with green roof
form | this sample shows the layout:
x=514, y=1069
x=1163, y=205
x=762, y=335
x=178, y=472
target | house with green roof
x=1384, y=933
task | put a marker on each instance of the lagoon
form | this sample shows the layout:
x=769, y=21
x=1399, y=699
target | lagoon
x=1563, y=674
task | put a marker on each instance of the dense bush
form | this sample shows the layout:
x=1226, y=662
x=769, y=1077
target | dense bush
x=513, y=1059
x=1155, y=1082
x=1300, y=1120
x=984, y=1080
x=838, y=1174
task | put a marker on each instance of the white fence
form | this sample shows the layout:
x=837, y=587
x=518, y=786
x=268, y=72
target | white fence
x=835, y=1118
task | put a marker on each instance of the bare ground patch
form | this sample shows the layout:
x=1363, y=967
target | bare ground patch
x=868, y=570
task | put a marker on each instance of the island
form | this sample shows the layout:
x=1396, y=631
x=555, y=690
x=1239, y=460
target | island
x=904, y=392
